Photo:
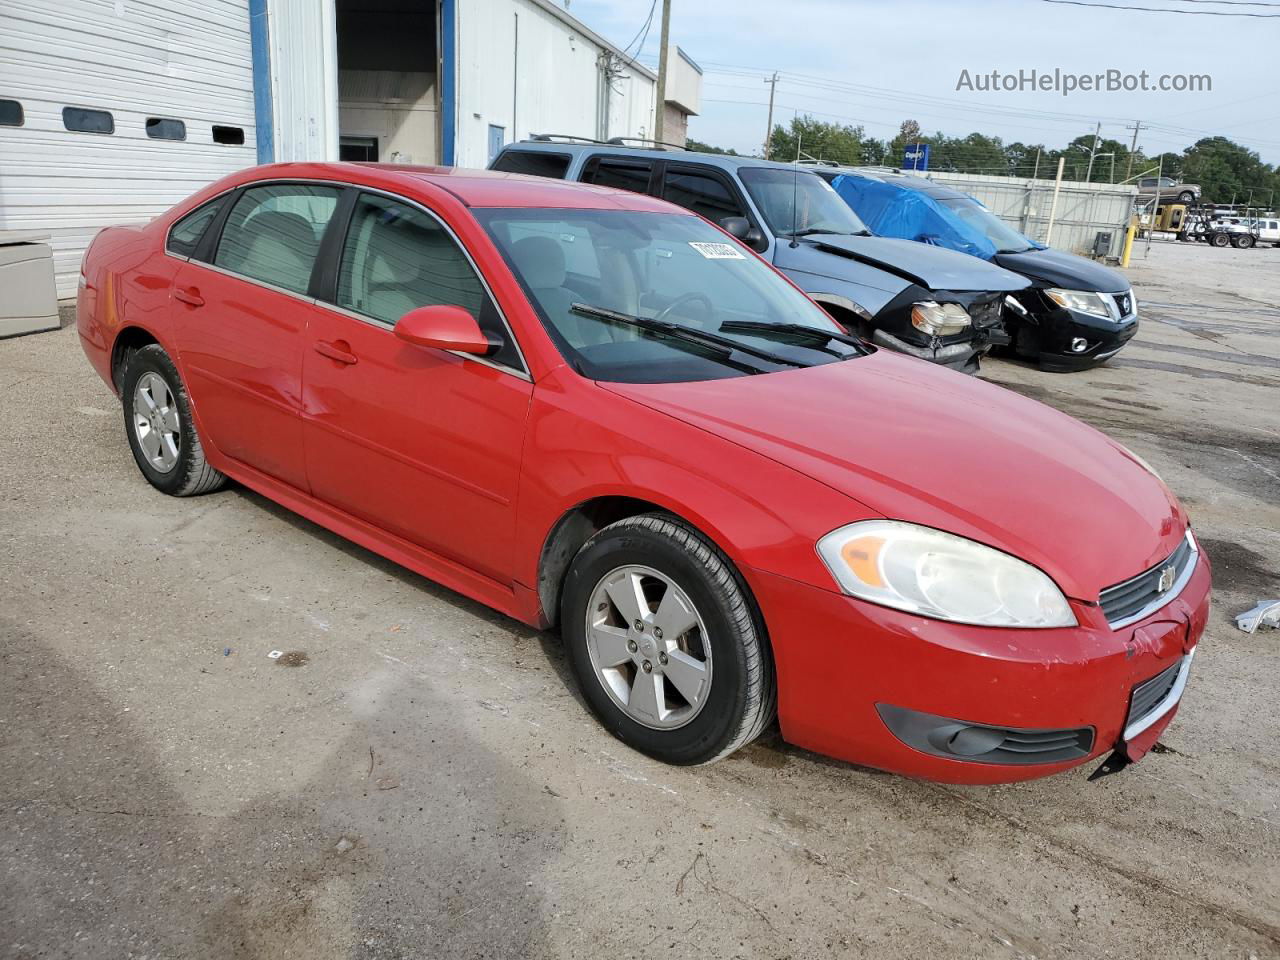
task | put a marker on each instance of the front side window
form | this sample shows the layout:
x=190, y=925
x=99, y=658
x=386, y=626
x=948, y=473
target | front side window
x=797, y=202
x=398, y=257
x=610, y=286
x=185, y=235
x=630, y=175
x=536, y=163
x=705, y=195
x=82, y=120
x=974, y=216
x=273, y=233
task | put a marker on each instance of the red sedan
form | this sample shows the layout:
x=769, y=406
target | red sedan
x=592, y=409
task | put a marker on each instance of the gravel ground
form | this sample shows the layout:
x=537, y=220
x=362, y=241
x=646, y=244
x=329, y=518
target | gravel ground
x=418, y=778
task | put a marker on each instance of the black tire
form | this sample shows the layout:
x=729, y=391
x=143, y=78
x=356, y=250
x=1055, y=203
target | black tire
x=1219, y=239
x=1186, y=196
x=1242, y=242
x=742, y=698
x=191, y=474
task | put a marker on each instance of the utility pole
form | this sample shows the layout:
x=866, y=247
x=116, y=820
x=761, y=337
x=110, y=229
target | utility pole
x=1133, y=147
x=661, y=107
x=1097, y=133
x=768, y=131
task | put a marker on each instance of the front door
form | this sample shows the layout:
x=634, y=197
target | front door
x=240, y=325
x=421, y=442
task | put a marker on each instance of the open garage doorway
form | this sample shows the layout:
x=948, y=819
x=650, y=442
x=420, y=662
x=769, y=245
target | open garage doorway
x=388, y=89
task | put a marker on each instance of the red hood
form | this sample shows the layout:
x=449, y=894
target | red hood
x=915, y=442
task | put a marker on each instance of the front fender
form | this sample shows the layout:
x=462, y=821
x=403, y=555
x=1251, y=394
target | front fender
x=763, y=515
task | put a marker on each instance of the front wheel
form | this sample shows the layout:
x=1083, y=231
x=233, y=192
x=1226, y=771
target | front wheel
x=1186, y=196
x=665, y=642
x=162, y=434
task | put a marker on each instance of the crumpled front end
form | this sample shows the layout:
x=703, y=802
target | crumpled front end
x=897, y=328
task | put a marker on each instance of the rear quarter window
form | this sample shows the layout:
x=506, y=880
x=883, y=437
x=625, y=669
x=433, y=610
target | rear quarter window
x=185, y=235
x=533, y=162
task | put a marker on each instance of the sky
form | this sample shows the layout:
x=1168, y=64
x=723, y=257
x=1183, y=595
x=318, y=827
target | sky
x=875, y=63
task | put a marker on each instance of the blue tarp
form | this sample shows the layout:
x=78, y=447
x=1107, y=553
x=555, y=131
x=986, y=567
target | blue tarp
x=893, y=211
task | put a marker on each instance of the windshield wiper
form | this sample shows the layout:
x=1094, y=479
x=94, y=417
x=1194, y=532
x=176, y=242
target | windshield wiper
x=799, y=329
x=723, y=347
x=810, y=231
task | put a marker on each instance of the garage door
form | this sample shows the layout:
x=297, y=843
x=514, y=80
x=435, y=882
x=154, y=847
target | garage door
x=122, y=108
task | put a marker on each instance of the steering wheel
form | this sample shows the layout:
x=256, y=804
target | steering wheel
x=681, y=300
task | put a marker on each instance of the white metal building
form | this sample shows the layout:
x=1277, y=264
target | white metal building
x=112, y=110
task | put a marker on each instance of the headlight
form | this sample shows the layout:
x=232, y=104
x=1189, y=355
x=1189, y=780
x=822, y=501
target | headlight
x=939, y=319
x=1085, y=301
x=940, y=575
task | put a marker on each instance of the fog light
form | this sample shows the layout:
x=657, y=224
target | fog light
x=1079, y=345
x=982, y=743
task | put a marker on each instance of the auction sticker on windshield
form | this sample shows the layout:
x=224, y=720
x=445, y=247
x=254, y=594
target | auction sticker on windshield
x=717, y=251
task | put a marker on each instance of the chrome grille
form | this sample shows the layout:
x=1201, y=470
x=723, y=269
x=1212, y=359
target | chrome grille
x=1127, y=602
x=1124, y=302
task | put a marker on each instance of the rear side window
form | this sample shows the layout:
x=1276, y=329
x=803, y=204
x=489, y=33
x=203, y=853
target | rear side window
x=83, y=120
x=11, y=113
x=397, y=258
x=184, y=236
x=273, y=233
x=630, y=175
x=704, y=195
x=166, y=128
x=533, y=162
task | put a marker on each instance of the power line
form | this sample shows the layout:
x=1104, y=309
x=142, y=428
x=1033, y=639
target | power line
x=1194, y=13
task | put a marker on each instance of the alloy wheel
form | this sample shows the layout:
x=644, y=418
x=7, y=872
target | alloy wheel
x=648, y=647
x=155, y=421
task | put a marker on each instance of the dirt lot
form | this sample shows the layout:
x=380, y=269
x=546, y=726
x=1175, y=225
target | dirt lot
x=420, y=779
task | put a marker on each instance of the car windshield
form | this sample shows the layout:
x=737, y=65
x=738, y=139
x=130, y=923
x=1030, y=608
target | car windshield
x=799, y=202
x=640, y=297
x=977, y=217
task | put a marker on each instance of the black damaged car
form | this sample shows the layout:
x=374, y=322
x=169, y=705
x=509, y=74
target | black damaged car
x=1076, y=314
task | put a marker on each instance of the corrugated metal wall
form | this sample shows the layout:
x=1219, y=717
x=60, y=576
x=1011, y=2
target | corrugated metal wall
x=559, y=79
x=304, y=78
x=1084, y=209
x=186, y=59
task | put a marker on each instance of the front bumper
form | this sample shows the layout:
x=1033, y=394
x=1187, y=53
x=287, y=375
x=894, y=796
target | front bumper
x=840, y=660
x=1049, y=334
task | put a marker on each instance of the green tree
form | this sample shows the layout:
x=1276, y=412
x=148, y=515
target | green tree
x=699, y=147
x=822, y=141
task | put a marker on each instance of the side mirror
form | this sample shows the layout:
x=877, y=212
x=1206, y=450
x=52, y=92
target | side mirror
x=740, y=228
x=446, y=328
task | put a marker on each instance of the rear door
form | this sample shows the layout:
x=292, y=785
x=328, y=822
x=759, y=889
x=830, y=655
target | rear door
x=241, y=308
x=421, y=442
x=622, y=173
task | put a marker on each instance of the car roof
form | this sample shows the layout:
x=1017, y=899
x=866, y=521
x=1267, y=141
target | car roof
x=475, y=188
x=906, y=181
x=725, y=161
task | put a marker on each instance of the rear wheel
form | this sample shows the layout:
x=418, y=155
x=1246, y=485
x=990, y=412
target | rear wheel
x=161, y=432
x=665, y=642
x=1220, y=240
x=1243, y=242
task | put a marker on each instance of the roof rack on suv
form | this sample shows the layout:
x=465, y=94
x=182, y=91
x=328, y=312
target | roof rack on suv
x=657, y=144
x=562, y=138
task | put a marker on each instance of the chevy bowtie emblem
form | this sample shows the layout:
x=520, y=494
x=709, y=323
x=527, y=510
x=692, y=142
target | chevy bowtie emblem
x=1166, y=579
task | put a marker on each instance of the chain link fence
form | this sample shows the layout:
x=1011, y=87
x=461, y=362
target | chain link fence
x=1084, y=211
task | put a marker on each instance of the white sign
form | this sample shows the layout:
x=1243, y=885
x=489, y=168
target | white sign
x=717, y=251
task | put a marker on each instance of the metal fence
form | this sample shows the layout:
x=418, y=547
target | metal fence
x=1084, y=209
